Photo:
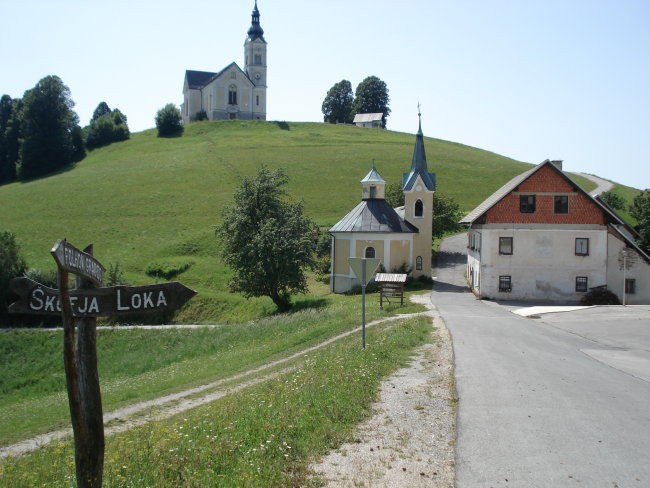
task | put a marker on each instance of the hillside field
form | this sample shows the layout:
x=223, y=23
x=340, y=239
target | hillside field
x=153, y=200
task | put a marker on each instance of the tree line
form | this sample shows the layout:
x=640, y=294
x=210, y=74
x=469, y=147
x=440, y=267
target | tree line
x=40, y=132
x=371, y=96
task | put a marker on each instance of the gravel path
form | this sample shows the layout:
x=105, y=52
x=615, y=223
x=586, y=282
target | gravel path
x=410, y=440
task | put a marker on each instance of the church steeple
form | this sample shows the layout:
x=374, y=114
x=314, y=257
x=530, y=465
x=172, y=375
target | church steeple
x=419, y=163
x=255, y=31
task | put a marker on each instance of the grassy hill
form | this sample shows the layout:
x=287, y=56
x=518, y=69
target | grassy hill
x=152, y=200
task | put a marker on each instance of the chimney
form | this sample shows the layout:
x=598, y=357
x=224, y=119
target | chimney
x=557, y=163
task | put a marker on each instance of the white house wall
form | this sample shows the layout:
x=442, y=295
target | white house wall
x=543, y=265
x=639, y=271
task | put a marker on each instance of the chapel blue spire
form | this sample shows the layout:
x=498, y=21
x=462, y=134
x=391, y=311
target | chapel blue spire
x=419, y=163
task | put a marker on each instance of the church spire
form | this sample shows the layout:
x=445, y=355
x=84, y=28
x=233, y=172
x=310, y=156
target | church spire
x=419, y=162
x=255, y=31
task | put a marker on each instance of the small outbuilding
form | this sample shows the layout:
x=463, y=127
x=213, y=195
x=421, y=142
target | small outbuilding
x=369, y=120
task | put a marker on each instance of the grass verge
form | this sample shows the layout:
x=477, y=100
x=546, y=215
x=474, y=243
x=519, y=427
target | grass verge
x=262, y=436
x=137, y=365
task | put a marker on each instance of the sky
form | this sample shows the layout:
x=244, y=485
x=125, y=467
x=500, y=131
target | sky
x=531, y=80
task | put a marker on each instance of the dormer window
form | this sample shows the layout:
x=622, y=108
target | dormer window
x=419, y=208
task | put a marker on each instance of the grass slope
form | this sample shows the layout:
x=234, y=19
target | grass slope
x=152, y=200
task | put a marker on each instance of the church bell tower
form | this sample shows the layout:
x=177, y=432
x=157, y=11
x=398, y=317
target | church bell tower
x=255, y=63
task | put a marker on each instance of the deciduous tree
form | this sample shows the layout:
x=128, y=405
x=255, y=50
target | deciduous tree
x=371, y=96
x=337, y=106
x=640, y=210
x=48, y=125
x=446, y=214
x=12, y=265
x=613, y=199
x=7, y=167
x=267, y=240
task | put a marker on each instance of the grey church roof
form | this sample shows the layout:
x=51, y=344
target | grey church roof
x=373, y=177
x=198, y=79
x=373, y=215
x=419, y=165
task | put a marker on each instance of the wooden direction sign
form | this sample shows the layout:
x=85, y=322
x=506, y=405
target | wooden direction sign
x=95, y=302
x=72, y=260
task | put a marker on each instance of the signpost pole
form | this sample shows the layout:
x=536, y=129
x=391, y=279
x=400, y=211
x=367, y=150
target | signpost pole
x=363, y=303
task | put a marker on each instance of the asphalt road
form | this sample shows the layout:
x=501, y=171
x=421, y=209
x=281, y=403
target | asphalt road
x=537, y=407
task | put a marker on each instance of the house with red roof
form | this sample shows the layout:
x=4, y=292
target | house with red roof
x=542, y=237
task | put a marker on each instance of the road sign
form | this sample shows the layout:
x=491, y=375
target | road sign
x=36, y=298
x=73, y=260
x=371, y=266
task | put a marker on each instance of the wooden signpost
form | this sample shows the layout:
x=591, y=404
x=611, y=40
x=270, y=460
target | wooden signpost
x=79, y=308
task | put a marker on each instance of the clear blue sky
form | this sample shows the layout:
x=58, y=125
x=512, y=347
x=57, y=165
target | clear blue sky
x=528, y=79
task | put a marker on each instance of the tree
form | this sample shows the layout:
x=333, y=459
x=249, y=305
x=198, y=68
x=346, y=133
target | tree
x=48, y=125
x=446, y=213
x=613, y=199
x=12, y=265
x=337, y=106
x=640, y=210
x=106, y=127
x=169, y=121
x=7, y=167
x=12, y=137
x=394, y=195
x=371, y=96
x=266, y=240
x=102, y=109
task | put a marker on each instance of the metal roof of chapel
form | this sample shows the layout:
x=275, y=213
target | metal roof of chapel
x=373, y=215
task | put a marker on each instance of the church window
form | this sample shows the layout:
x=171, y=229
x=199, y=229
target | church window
x=257, y=99
x=373, y=191
x=233, y=75
x=232, y=95
x=418, y=263
x=419, y=208
x=258, y=59
x=370, y=252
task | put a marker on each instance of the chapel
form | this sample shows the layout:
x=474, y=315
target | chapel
x=231, y=93
x=399, y=237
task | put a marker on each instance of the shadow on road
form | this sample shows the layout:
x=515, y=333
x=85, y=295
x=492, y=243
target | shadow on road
x=451, y=259
x=442, y=286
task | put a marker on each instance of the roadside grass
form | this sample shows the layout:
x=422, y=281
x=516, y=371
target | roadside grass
x=137, y=365
x=151, y=200
x=264, y=435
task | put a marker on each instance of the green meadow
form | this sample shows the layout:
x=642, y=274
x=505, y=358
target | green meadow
x=154, y=202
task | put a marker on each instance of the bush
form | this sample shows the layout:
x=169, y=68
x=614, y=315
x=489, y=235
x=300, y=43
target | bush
x=44, y=277
x=166, y=270
x=201, y=115
x=168, y=121
x=600, y=296
x=12, y=265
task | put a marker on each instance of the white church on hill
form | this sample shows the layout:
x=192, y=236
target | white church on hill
x=231, y=93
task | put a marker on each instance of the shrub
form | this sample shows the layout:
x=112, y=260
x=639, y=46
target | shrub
x=169, y=121
x=12, y=265
x=600, y=296
x=166, y=270
x=201, y=115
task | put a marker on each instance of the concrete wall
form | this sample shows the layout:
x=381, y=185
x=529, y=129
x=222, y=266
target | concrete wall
x=543, y=264
x=639, y=271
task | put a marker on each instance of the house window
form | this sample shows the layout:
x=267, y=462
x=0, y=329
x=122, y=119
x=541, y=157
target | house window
x=419, y=208
x=418, y=263
x=258, y=59
x=527, y=203
x=370, y=252
x=505, y=283
x=505, y=245
x=582, y=283
x=582, y=246
x=630, y=286
x=232, y=95
x=561, y=204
